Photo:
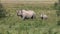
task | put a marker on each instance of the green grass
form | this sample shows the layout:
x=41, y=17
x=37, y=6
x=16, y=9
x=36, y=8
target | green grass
x=13, y=24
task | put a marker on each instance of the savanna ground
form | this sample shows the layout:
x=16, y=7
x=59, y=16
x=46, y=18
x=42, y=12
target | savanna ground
x=12, y=24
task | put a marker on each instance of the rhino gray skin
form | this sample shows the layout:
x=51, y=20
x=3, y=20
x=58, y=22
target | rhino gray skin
x=26, y=14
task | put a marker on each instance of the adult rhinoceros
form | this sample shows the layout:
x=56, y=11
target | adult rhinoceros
x=26, y=14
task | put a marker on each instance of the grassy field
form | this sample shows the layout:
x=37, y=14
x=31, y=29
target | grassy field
x=12, y=24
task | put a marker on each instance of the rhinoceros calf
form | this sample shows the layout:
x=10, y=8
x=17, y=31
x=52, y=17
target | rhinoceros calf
x=43, y=16
x=26, y=14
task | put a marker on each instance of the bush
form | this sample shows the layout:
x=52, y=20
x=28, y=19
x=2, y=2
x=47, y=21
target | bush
x=2, y=11
x=58, y=22
x=58, y=13
x=55, y=4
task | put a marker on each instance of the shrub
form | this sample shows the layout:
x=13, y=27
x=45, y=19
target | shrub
x=58, y=13
x=2, y=11
x=58, y=22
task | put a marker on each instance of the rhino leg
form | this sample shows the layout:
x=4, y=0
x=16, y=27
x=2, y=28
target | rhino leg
x=32, y=17
x=23, y=17
x=42, y=18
